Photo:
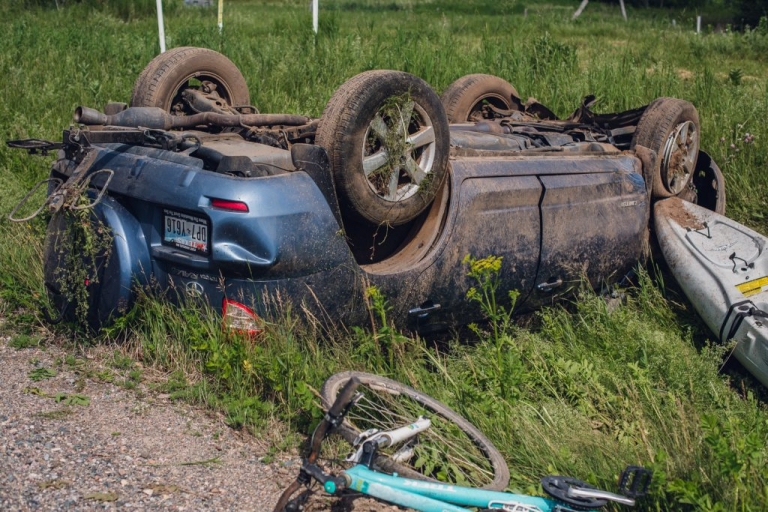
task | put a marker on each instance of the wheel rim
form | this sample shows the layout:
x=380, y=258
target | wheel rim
x=444, y=452
x=679, y=157
x=498, y=101
x=399, y=151
x=176, y=104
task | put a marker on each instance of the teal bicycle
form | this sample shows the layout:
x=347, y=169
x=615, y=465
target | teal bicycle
x=413, y=451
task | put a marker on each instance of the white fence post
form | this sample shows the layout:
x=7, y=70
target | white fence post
x=581, y=8
x=315, y=8
x=698, y=24
x=221, y=15
x=160, y=25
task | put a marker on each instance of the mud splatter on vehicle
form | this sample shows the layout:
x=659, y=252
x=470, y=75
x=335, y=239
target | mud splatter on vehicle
x=393, y=186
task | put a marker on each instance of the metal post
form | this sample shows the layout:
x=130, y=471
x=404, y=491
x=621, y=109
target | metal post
x=581, y=8
x=161, y=25
x=315, y=8
x=221, y=15
x=698, y=24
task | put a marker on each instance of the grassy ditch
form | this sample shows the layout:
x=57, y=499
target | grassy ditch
x=584, y=389
x=585, y=392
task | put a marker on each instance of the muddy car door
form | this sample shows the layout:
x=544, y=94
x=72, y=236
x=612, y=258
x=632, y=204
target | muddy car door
x=492, y=213
x=594, y=223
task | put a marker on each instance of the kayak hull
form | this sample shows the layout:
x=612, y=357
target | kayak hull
x=722, y=267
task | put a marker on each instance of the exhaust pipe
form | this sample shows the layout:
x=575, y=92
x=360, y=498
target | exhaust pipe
x=89, y=116
x=158, y=119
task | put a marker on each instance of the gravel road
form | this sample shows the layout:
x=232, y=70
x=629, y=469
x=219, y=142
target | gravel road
x=129, y=449
x=124, y=449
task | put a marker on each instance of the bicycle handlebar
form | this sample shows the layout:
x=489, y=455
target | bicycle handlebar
x=345, y=396
x=332, y=417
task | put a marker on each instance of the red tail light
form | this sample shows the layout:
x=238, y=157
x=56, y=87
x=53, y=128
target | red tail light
x=240, y=318
x=225, y=204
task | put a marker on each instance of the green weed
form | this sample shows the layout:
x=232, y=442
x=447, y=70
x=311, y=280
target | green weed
x=71, y=399
x=39, y=374
x=22, y=341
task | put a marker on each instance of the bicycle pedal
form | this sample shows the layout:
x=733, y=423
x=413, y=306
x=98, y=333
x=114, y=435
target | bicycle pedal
x=635, y=481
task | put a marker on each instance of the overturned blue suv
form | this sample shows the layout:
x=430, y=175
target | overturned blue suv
x=189, y=188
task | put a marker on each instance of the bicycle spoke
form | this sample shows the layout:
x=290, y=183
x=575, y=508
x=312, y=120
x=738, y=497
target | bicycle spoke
x=448, y=451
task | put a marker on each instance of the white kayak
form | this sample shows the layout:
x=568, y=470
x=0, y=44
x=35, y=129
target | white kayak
x=722, y=267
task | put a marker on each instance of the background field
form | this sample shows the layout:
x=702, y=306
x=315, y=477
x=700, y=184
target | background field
x=581, y=389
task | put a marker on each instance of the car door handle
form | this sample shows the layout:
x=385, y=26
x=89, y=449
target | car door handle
x=424, y=310
x=549, y=285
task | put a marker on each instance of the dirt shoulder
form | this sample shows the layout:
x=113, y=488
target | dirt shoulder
x=74, y=443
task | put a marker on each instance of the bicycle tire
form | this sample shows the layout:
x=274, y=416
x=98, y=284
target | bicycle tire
x=491, y=471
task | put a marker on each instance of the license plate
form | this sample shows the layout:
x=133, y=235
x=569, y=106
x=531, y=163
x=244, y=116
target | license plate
x=185, y=231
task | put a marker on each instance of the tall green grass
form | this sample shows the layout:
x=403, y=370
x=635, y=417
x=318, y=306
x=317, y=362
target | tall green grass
x=585, y=389
x=588, y=391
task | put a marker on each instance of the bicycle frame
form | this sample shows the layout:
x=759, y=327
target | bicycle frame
x=430, y=496
x=435, y=497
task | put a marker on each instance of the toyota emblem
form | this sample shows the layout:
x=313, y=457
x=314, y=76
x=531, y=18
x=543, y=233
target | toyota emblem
x=194, y=289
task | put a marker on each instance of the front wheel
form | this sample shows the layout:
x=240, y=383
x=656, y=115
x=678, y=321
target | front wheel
x=670, y=128
x=452, y=450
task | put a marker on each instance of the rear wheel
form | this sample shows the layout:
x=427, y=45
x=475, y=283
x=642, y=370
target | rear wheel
x=387, y=138
x=165, y=79
x=464, y=99
x=452, y=450
x=670, y=127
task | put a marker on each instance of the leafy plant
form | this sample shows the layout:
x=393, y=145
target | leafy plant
x=508, y=363
x=39, y=374
x=486, y=273
x=83, y=244
x=72, y=399
x=386, y=340
x=735, y=75
x=22, y=341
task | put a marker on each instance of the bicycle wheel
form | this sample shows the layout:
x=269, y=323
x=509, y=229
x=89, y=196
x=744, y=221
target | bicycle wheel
x=452, y=450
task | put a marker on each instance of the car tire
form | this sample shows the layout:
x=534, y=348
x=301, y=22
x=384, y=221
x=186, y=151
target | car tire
x=386, y=170
x=670, y=128
x=160, y=83
x=463, y=99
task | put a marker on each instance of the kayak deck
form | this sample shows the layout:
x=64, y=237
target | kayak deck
x=722, y=267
